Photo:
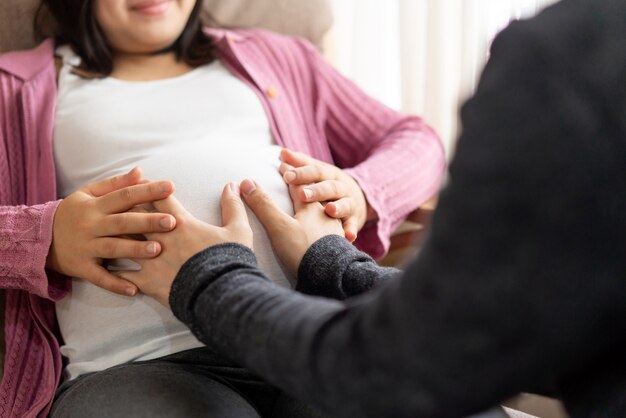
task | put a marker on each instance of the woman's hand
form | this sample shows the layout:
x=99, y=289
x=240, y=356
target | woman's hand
x=190, y=237
x=327, y=183
x=291, y=236
x=89, y=223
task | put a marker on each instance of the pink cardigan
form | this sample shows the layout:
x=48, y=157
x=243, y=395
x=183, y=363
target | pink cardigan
x=397, y=159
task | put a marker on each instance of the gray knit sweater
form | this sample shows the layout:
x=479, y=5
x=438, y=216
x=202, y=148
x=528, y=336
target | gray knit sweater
x=521, y=284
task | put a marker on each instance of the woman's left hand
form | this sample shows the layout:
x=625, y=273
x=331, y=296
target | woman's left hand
x=188, y=238
x=327, y=183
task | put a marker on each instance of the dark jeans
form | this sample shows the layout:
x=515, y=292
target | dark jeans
x=193, y=383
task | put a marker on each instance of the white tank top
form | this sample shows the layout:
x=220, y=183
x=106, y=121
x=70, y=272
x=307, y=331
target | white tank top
x=200, y=130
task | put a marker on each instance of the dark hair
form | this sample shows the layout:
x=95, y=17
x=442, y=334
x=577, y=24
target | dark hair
x=75, y=24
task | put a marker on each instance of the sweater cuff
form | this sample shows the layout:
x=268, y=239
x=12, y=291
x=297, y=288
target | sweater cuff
x=59, y=285
x=324, y=265
x=201, y=270
x=374, y=238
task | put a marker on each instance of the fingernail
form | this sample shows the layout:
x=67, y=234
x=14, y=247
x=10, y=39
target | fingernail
x=247, y=187
x=151, y=248
x=234, y=187
x=166, y=187
x=290, y=176
x=166, y=222
x=308, y=193
x=130, y=291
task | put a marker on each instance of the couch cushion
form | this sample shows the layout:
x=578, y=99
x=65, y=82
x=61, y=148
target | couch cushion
x=16, y=24
x=309, y=19
x=306, y=18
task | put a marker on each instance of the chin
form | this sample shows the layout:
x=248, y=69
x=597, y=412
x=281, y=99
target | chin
x=148, y=48
x=156, y=42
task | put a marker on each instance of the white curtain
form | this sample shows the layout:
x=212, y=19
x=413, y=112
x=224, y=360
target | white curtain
x=420, y=56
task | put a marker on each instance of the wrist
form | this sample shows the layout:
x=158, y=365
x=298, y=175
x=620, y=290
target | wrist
x=368, y=214
x=52, y=259
x=371, y=215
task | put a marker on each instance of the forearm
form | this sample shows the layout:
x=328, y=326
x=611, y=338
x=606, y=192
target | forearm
x=232, y=307
x=396, y=183
x=387, y=353
x=397, y=159
x=25, y=238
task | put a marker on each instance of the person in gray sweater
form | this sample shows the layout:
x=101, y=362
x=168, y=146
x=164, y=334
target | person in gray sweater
x=521, y=283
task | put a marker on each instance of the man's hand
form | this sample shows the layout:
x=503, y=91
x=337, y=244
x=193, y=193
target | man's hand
x=291, y=236
x=190, y=237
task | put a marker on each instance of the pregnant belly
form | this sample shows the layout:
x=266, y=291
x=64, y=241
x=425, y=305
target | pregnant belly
x=102, y=329
x=199, y=178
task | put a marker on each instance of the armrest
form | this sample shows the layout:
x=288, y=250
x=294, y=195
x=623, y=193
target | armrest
x=408, y=238
x=424, y=213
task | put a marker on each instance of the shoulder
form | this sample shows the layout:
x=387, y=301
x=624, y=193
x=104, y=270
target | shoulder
x=567, y=34
x=576, y=44
x=275, y=39
x=26, y=65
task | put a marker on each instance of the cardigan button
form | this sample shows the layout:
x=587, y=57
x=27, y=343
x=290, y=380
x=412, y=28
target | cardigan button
x=231, y=40
x=271, y=92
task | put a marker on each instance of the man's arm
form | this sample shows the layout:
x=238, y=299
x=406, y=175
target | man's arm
x=523, y=268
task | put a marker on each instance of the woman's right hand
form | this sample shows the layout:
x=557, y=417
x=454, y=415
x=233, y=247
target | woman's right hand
x=89, y=226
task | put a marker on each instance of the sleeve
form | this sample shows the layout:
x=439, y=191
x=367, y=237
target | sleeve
x=333, y=269
x=397, y=159
x=25, y=238
x=523, y=269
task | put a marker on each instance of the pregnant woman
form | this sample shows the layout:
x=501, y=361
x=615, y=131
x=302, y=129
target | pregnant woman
x=141, y=83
